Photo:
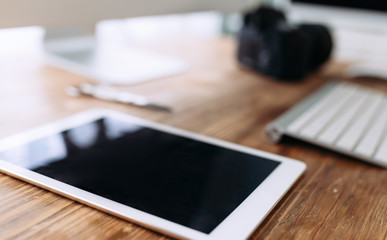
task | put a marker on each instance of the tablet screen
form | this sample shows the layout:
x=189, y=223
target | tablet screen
x=188, y=182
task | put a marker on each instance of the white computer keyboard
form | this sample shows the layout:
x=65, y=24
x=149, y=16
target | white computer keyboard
x=343, y=117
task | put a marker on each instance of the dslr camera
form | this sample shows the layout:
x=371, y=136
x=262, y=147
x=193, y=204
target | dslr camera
x=269, y=45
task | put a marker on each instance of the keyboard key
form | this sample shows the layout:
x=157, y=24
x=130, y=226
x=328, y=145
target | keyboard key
x=373, y=137
x=350, y=138
x=295, y=126
x=381, y=154
x=337, y=127
x=328, y=114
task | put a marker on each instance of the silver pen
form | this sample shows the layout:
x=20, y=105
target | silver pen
x=110, y=94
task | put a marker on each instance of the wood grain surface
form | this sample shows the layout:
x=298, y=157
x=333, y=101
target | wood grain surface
x=338, y=197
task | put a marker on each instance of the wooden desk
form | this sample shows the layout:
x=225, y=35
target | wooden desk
x=337, y=197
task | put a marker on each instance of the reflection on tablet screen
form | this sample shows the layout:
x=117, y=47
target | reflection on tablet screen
x=185, y=181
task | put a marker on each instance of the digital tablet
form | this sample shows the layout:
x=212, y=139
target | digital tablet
x=179, y=183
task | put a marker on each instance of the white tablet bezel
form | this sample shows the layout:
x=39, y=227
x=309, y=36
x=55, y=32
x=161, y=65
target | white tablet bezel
x=238, y=225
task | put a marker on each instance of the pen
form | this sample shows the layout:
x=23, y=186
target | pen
x=110, y=94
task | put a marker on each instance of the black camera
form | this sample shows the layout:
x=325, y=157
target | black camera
x=271, y=46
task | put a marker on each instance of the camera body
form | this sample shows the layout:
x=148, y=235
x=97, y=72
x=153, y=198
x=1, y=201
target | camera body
x=267, y=44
